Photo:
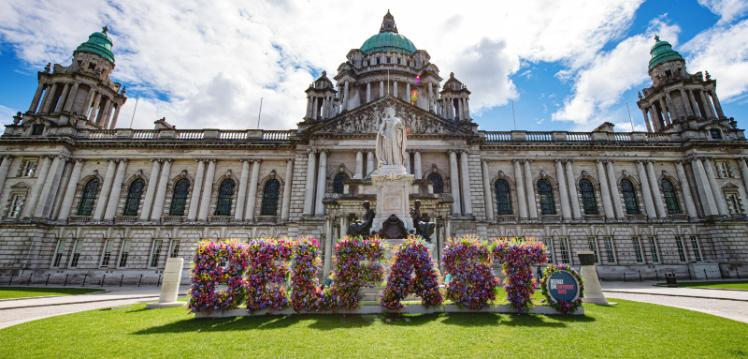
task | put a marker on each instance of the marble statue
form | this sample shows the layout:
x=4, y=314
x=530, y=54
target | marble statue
x=391, y=140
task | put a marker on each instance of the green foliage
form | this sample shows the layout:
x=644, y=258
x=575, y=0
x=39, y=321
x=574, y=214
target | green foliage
x=24, y=292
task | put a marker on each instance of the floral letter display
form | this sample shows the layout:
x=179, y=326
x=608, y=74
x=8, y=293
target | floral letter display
x=412, y=256
x=358, y=263
x=266, y=277
x=306, y=293
x=517, y=259
x=218, y=264
x=472, y=284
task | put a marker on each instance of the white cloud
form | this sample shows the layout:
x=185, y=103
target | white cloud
x=599, y=86
x=726, y=9
x=213, y=61
x=723, y=51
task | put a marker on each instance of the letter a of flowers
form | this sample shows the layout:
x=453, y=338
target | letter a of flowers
x=266, y=277
x=517, y=259
x=472, y=284
x=306, y=294
x=218, y=263
x=412, y=256
x=358, y=263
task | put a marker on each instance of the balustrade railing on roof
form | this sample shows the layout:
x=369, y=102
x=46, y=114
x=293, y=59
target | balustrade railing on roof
x=578, y=136
x=563, y=136
x=190, y=134
x=276, y=135
x=539, y=136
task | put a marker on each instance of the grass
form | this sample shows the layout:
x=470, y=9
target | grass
x=26, y=292
x=736, y=285
x=629, y=329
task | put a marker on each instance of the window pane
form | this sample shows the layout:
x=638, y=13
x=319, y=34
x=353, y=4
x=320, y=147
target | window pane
x=270, y=195
x=503, y=197
x=225, y=195
x=179, y=198
x=589, y=202
x=338, y=183
x=547, y=203
x=134, y=193
x=629, y=197
x=671, y=199
x=436, y=182
x=88, y=197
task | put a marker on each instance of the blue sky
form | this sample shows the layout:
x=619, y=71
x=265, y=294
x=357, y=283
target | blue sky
x=567, y=65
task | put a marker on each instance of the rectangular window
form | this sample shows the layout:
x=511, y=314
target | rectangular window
x=155, y=252
x=696, y=249
x=592, y=245
x=75, y=254
x=610, y=250
x=28, y=167
x=654, y=249
x=723, y=169
x=681, y=248
x=16, y=205
x=124, y=253
x=734, y=204
x=565, y=250
x=37, y=129
x=549, y=249
x=57, y=258
x=638, y=253
x=174, y=249
x=106, y=254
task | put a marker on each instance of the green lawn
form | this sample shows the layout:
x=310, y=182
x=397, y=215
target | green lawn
x=629, y=329
x=741, y=285
x=25, y=292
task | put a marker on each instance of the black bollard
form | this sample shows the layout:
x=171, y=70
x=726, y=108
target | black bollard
x=706, y=276
x=158, y=283
x=103, y=279
x=121, y=279
x=46, y=283
x=140, y=280
x=84, y=280
x=66, y=280
x=28, y=282
x=640, y=275
x=11, y=278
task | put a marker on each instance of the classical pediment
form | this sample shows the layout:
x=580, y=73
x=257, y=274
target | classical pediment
x=365, y=120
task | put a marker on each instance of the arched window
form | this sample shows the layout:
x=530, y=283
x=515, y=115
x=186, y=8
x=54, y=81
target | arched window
x=589, y=202
x=503, y=197
x=547, y=203
x=88, y=197
x=225, y=195
x=436, y=182
x=629, y=197
x=338, y=183
x=179, y=198
x=671, y=199
x=270, y=195
x=134, y=193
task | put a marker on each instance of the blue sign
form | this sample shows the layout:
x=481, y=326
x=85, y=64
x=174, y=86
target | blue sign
x=563, y=286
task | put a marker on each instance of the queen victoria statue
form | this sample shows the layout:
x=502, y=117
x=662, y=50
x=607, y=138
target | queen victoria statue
x=391, y=140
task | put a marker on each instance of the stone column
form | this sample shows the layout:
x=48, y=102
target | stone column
x=36, y=188
x=614, y=193
x=158, y=206
x=242, y=196
x=646, y=120
x=69, y=196
x=686, y=103
x=319, y=207
x=646, y=191
x=671, y=106
x=252, y=191
x=210, y=174
x=694, y=104
x=55, y=170
x=741, y=164
x=686, y=189
x=328, y=249
x=49, y=97
x=717, y=105
x=345, y=95
x=381, y=89
x=656, y=193
x=113, y=202
x=707, y=107
x=106, y=188
x=94, y=108
x=407, y=92
x=563, y=191
x=35, y=102
x=394, y=88
x=309, y=192
x=406, y=163
x=719, y=199
x=287, y=190
x=368, y=92
x=454, y=183
x=113, y=121
x=487, y=192
x=314, y=108
x=571, y=182
x=369, y=163
x=417, y=169
x=430, y=96
x=521, y=195
x=150, y=191
x=665, y=112
x=103, y=118
x=63, y=97
x=359, y=172
x=4, y=168
x=652, y=110
x=708, y=203
x=467, y=198
x=603, y=179
x=196, y=191
x=71, y=98
x=532, y=206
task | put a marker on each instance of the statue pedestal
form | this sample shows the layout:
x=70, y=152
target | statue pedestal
x=392, y=184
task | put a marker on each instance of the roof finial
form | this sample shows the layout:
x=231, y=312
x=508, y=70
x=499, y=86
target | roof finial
x=657, y=37
x=388, y=23
x=105, y=29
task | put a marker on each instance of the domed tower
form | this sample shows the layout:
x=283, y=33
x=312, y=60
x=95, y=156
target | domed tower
x=82, y=93
x=320, y=98
x=677, y=100
x=455, y=98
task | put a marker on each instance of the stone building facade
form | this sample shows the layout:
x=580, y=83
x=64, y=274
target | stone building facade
x=82, y=198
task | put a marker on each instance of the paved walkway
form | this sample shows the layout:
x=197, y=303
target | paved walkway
x=731, y=304
x=14, y=312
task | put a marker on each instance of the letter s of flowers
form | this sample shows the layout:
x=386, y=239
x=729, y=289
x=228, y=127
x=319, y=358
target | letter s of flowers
x=215, y=264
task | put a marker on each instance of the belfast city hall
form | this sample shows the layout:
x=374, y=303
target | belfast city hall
x=81, y=197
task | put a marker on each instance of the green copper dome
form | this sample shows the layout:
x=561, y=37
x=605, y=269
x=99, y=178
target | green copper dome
x=388, y=39
x=662, y=52
x=99, y=43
